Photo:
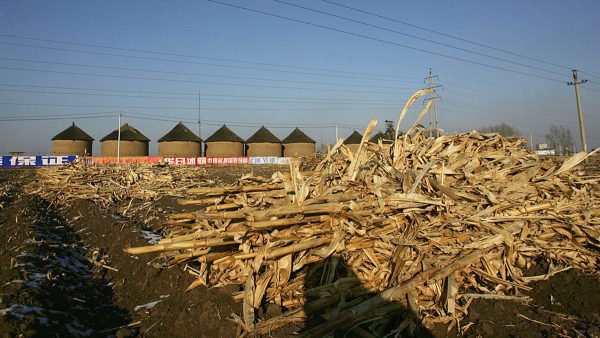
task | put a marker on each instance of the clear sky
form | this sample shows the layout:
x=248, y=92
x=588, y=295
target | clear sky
x=312, y=64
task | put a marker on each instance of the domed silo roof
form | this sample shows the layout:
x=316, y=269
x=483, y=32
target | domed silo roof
x=72, y=133
x=354, y=138
x=224, y=142
x=180, y=142
x=128, y=133
x=263, y=143
x=297, y=136
x=133, y=143
x=72, y=141
x=224, y=134
x=263, y=135
x=180, y=133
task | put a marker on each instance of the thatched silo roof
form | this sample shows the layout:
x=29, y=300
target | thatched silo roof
x=72, y=133
x=354, y=138
x=378, y=136
x=224, y=134
x=128, y=133
x=180, y=133
x=297, y=136
x=263, y=135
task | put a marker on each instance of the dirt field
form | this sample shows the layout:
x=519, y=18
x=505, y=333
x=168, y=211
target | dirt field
x=64, y=273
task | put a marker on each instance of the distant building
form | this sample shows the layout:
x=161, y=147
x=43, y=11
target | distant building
x=353, y=141
x=224, y=142
x=133, y=142
x=180, y=141
x=541, y=146
x=72, y=141
x=297, y=144
x=263, y=143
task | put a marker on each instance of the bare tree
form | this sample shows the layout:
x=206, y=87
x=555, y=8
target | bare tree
x=559, y=139
x=502, y=129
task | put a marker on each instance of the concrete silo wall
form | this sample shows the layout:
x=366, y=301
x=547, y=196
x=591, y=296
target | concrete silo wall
x=298, y=149
x=128, y=148
x=179, y=149
x=214, y=149
x=71, y=147
x=264, y=149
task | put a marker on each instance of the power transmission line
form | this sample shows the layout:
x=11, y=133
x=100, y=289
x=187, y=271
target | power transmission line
x=419, y=38
x=521, y=107
x=154, y=117
x=378, y=78
x=475, y=109
x=510, y=100
x=196, y=56
x=189, y=81
x=189, y=108
x=383, y=41
x=340, y=102
x=16, y=119
x=433, y=97
x=193, y=94
x=194, y=74
x=448, y=35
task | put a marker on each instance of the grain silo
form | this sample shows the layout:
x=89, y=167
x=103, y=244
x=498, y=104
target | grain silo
x=133, y=143
x=263, y=143
x=72, y=141
x=224, y=142
x=353, y=141
x=297, y=144
x=180, y=142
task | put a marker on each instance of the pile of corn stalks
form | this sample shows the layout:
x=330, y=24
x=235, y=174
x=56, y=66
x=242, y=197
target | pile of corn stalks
x=423, y=224
x=310, y=162
x=109, y=184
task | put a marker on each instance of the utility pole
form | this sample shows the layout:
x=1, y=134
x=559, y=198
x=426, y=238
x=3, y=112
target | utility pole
x=199, y=121
x=119, y=141
x=579, y=110
x=321, y=139
x=199, y=116
x=433, y=97
x=531, y=141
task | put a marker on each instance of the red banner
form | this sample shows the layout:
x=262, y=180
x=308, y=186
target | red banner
x=207, y=161
x=123, y=159
x=190, y=161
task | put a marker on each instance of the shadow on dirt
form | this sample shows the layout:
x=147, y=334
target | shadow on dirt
x=51, y=288
x=333, y=287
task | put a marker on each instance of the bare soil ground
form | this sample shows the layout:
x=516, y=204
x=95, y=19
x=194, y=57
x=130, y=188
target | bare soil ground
x=58, y=278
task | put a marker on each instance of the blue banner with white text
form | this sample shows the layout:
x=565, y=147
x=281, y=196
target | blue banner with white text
x=35, y=161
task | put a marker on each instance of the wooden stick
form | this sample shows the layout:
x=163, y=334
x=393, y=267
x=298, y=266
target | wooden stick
x=287, y=222
x=288, y=249
x=181, y=257
x=225, y=206
x=209, y=191
x=327, y=208
x=180, y=245
x=210, y=200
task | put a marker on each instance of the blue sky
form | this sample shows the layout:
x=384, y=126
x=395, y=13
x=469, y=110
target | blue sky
x=86, y=61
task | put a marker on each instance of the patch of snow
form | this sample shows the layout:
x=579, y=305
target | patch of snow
x=151, y=237
x=147, y=306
